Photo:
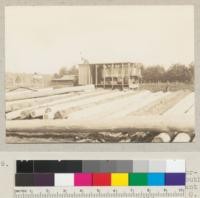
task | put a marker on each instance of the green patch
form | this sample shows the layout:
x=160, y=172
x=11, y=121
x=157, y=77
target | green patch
x=138, y=179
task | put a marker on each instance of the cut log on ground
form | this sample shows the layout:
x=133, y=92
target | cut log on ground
x=64, y=109
x=108, y=108
x=20, y=104
x=49, y=92
x=182, y=107
x=163, y=137
x=25, y=88
x=135, y=104
x=62, y=114
x=162, y=105
x=156, y=124
x=38, y=110
x=17, y=93
x=22, y=110
x=183, y=137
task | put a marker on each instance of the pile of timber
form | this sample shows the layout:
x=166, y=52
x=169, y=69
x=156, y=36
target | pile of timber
x=25, y=100
x=157, y=129
x=46, y=92
x=89, y=112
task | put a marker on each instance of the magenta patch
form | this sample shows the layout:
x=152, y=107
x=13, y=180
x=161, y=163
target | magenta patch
x=83, y=179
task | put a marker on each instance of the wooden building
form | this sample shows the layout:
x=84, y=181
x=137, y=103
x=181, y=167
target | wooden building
x=124, y=74
x=66, y=80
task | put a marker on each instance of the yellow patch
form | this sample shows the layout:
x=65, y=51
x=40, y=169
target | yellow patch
x=119, y=179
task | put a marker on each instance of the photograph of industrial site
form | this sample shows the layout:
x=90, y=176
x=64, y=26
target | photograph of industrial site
x=99, y=74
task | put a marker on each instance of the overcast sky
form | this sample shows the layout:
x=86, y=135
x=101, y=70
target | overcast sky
x=44, y=39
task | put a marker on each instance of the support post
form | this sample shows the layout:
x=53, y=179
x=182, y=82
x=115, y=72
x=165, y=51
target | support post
x=129, y=73
x=104, y=76
x=122, y=76
x=89, y=74
x=96, y=75
x=112, y=74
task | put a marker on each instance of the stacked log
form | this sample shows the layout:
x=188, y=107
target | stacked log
x=20, y=104
x=105, y=109
x=48, y=92
x=101, y=115
x=65, y=113
x=38, y=110
x=160, y=106
x=137, y=103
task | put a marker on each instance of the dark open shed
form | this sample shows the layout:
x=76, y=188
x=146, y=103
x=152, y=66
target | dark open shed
x=124, y=74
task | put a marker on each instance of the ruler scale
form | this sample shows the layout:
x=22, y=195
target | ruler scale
x=178, y=192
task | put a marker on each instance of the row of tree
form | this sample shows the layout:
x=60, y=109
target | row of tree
x=66, y=71
x=175, y=73
x=157, y=73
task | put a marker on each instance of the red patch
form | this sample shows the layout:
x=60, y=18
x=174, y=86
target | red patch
x=101, y=179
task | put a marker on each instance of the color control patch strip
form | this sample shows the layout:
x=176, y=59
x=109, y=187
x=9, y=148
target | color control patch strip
x=100, y=173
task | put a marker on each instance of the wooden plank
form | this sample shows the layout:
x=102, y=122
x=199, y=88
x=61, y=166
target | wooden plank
x=152, y=124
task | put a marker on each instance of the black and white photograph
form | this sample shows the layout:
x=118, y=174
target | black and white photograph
x=99, y=74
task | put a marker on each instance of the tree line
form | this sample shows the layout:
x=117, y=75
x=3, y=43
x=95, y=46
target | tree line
x=66, y=71
x=175, y=73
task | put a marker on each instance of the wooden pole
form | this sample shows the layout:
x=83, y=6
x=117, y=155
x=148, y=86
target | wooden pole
x=104, y=76
x=122, y=76
x=49, y=92
x=129, y=75
x=20, y=104
x=112, y=74
x=89, y=74
x=96, y=75
x=153, y=124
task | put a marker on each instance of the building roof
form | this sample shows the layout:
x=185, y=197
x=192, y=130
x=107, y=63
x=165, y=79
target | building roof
x=115, y=63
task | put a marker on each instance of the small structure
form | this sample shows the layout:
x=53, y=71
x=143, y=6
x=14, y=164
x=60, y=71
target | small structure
x=66, y=80
x=123, y=74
